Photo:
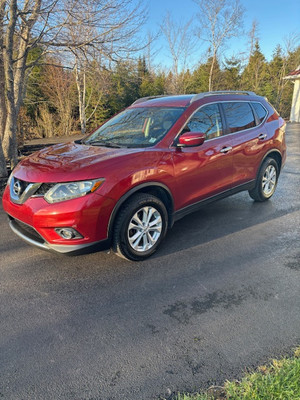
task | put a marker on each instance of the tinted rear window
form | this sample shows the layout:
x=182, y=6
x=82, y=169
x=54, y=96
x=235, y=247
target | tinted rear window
x=239, y=116
x=260, y=111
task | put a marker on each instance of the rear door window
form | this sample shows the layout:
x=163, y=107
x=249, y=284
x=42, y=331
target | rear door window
x=239, y=116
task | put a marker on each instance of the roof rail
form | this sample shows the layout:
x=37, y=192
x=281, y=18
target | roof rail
x=205, y=94
x=142, y=99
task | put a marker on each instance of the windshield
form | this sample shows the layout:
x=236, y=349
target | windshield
x=136, y=127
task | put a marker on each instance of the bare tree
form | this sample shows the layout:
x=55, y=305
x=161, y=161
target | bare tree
x=2, y=76
x=181, y=43
x=16, y=27
x=59, y=90
x=253, y=37
x=150, y=51
x=18, y=20
x=219, y=20
x=25, y=24
x=2, y=90
x=107, y=30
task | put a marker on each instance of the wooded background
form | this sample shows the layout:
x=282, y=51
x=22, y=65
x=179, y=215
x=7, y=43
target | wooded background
x=67, y=66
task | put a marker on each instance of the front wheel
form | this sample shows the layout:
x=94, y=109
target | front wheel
x=140, y=227
x=266, y=181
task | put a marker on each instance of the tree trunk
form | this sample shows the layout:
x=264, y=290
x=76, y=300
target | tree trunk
x=14, y=73
x=2, y=85
x=3, y=170
x=210, y=79
x=14, y=98
x=10, y=145
x=81, y=86
x=3, y=112
x=9, y=140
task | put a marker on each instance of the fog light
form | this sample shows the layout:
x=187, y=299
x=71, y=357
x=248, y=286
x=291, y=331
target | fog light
x=68, y=233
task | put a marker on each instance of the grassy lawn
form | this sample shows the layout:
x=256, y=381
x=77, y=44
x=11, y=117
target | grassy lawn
x=280, y=380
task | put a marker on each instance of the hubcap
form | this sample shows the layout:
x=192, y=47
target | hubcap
x=269, y=180
x=144, y=229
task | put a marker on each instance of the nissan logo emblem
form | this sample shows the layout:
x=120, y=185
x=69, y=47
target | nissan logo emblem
x=17, y=188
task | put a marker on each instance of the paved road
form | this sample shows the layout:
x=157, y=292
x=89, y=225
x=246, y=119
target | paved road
x=221, y=295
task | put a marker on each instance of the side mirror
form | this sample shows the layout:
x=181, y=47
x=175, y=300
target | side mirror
x=190, y=139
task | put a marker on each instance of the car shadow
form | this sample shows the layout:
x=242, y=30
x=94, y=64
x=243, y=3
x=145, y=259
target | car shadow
x=220, y=219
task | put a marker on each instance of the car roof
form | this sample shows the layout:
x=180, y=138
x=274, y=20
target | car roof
x=187, y=99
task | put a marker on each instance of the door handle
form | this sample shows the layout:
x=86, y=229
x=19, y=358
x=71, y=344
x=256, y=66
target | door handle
x=226, y=149
x=262, y=136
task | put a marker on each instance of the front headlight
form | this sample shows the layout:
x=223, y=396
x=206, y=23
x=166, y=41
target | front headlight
x=71, y=190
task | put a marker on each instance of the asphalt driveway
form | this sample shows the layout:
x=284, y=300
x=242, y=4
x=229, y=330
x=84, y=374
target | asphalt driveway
x=221, y=295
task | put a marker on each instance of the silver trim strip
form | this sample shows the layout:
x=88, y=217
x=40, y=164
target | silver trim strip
x=60, y=248
x=144, y=99
x=220, y=92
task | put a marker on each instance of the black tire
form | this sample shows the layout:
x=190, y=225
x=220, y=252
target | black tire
x=135, y=207
x=260, y=191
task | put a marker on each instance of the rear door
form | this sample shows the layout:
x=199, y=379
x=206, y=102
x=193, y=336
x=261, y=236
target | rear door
x=249, y=139
x=205, y=170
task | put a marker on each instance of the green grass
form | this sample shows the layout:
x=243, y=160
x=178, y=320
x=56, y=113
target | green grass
x=280, y=380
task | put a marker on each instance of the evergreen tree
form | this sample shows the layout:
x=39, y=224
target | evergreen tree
x=276, y=69
x=199, y=80
x=231, y=75
x=142, y=70
x=200, y=77
x=255, y=76
x=125, y=86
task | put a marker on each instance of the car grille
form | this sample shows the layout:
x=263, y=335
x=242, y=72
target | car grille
x=26, y=230
x=20, y=190
x=23, y=185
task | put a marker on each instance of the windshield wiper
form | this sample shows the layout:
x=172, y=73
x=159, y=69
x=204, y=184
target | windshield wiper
x=104, y=144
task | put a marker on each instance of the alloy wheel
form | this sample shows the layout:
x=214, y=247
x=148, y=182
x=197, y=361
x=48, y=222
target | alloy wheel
x=144, y=229
x=269, y=180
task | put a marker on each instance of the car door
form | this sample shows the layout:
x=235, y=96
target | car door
x=249, y=139
x=204, y=171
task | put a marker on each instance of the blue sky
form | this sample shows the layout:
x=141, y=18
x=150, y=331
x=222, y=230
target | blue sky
x=276, y=19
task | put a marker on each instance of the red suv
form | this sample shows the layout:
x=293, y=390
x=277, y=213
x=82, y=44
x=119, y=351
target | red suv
x=145, y=168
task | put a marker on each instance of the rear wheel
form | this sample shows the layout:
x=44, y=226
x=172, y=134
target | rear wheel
x=266, y=181
x=140, y=227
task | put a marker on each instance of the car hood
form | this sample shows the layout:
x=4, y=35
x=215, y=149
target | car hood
x=70, y=161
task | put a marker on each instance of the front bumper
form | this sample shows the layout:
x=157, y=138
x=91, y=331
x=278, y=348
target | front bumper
x=35, y=221
x=42, y=244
